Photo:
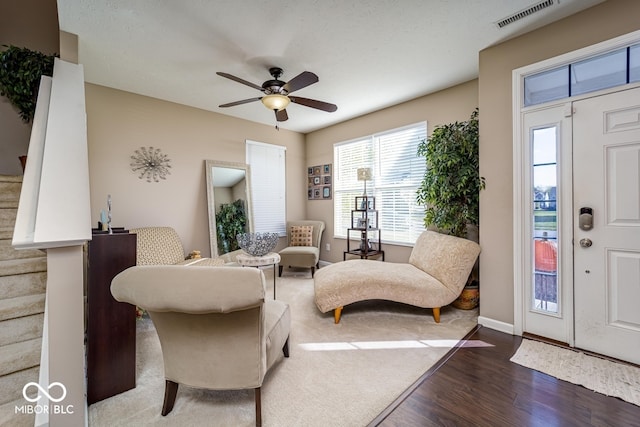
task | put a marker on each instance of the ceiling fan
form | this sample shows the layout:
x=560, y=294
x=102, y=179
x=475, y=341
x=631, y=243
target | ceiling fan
x=277, y=93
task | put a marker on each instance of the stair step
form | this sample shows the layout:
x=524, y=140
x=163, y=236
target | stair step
x=20, y=356
x=8, y=217
x=8, y=252
x=9, y=193
x=11, y=385
x=21, y=329
x=23, y=284
x=11, y=178
x=9, y=417
x=6, y=232
x=23, y=266
x=13, y=308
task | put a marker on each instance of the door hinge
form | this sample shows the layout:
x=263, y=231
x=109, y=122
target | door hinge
x=569, y=110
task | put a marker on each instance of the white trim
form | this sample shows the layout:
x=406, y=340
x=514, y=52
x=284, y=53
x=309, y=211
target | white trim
x=520, y=255
x=497, y=325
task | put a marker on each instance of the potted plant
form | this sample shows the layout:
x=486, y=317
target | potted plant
x=231, y=220
x=20, y=73
x=450, y=190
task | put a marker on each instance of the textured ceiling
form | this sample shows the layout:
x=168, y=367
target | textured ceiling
x=368, y=55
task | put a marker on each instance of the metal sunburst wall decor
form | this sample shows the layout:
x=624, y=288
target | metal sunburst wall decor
x=151, y=164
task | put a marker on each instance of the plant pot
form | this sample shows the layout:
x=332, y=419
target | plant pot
x=468, y=299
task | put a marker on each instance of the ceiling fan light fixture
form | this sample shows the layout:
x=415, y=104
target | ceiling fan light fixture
x=275, y=102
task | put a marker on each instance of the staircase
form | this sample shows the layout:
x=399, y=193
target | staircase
x=23, y=276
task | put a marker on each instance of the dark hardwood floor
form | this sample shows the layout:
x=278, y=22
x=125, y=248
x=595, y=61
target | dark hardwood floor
x=477, y=385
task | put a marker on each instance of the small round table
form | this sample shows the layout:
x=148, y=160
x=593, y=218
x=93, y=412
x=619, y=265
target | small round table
x=272, y=258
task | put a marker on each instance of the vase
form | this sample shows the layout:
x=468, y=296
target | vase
x=468, y=299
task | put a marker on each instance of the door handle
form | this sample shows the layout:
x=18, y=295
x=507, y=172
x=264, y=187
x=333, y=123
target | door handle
x=586, y=243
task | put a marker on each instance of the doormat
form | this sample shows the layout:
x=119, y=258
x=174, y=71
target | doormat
x=600, y=375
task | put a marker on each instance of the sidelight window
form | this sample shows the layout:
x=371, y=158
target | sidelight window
x=545, y=219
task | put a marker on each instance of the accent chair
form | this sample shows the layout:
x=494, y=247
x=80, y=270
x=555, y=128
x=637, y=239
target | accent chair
x=216, y=329
x=303, y=245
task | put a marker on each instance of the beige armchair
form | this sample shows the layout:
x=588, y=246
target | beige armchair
x=216, y=330
x=162, y=246
x=303, y=245
x=158, y=246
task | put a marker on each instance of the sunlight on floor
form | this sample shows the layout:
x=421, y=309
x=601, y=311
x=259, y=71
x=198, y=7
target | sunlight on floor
x=387, y=345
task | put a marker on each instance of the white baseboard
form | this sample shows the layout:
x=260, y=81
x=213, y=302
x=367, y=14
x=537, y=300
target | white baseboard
x=324, y=263
x=497, y=325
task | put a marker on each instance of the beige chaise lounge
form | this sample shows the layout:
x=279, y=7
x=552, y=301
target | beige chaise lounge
x=438, y=269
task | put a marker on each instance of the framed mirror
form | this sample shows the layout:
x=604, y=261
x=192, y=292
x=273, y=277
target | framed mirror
x=228, y=203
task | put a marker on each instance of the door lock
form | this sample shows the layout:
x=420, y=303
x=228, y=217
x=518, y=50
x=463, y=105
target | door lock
x=586, y=243
x=585, y=219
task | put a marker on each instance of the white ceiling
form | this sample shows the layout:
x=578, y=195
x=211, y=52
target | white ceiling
x=368, y=55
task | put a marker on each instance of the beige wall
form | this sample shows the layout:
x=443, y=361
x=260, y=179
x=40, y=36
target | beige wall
x=120, y=122
x=608, y=20
x=453, y=104
x=21, y=26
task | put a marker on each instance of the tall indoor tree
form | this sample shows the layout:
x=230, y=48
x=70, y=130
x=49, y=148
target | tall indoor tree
x=450, y=190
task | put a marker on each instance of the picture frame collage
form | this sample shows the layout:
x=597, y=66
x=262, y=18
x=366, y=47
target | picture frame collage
x=319, y=182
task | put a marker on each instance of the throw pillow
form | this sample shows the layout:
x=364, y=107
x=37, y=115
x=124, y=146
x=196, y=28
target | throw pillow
x=301, y=235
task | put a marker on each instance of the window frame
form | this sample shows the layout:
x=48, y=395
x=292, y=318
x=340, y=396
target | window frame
x=382, y=185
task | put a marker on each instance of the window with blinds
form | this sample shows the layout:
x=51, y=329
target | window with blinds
x=268, y=203
x=397, y=171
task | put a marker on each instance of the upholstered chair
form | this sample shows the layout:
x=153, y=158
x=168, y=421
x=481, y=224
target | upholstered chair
x=158, y=246
x=216, y=329
x=303, y=245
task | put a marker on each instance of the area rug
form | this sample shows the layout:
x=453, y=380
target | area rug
x=600, y=375
x=342, y=375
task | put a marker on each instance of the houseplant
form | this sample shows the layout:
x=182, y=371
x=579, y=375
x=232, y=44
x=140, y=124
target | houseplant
x=20, y=72
x=231, y=220
x=450, y=190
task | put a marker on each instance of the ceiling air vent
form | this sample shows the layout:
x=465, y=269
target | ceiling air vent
x=524, y=13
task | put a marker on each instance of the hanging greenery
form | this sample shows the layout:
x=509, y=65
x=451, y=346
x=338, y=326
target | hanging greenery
x=20, y=72
x=450, y=190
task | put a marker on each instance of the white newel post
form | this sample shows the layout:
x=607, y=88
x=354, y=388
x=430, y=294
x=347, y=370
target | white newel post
x=54, y=214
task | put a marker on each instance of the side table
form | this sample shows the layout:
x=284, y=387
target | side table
x=272, y=258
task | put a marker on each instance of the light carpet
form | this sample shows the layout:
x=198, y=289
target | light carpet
x=342, y=375
x=600, y=375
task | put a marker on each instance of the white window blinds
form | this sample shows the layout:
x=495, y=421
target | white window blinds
x=397, y=172
x=268, y=203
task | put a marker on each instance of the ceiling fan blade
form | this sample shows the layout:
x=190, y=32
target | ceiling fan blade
x=244, y=101
x=303, y=79
x=282, y=116
x=313, y=103
x=239, y=80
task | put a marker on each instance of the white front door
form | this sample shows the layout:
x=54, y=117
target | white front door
x=606, y=168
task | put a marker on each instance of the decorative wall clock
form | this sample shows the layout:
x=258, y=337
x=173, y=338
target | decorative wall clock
x=151, y=164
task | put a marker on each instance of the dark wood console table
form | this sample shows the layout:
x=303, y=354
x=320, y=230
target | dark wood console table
x=111, y=325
